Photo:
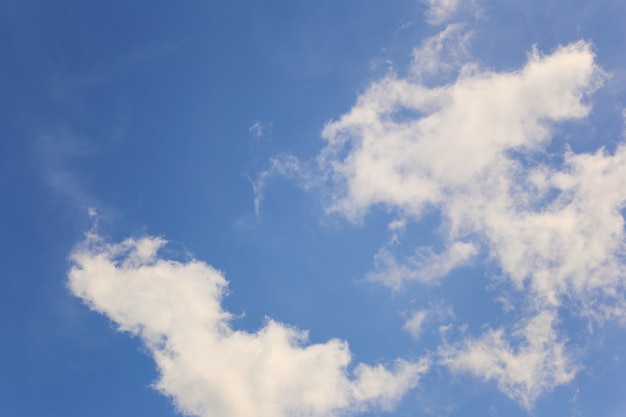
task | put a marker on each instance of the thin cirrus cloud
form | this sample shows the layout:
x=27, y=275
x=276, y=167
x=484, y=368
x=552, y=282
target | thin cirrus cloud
x=210, y=369
x=474, y=149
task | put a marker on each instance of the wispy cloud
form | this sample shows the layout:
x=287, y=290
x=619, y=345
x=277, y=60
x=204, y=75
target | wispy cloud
x=415, y=323
x=284, y=165
x=443, y=53
x=424, y=265
x=57, y=153
x=538, y=363
x=418, y=320
x=258, y=130
x=205, y=365
x=439, y=11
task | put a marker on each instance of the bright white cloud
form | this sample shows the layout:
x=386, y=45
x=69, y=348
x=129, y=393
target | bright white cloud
x=409, y=146
x=207, y=367
x=473, y=148
x=443, y=53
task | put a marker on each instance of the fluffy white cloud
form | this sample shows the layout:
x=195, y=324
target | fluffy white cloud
x=207, y=367
x=409, y=146
x=473, y=148
x=256, y=130
x=538, y=364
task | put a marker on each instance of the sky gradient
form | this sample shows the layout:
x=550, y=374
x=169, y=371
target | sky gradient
x=330, y=208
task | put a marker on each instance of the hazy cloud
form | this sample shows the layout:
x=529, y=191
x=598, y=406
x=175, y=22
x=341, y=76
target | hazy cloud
x=414, y=324
x=440, y=10
x=284, y=165
x=258, y=130
x=443, y=53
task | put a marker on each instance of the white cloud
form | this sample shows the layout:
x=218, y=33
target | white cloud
x=207, y=367
x=445, y=52
x=397, y=228
x=571, y=246
x=408, y=146
x=473, y=149
x=468, y=149
x=425, y=265
x=417, y=320
x=440, y=10
x=414, y=324
x=538, y=364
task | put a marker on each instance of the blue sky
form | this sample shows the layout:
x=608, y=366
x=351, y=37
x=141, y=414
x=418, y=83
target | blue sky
x=330, y=208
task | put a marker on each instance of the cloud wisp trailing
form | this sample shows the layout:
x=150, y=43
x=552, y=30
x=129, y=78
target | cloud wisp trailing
x=206, y=366
x=424, y=265
x=474, y=149
x=439, y=11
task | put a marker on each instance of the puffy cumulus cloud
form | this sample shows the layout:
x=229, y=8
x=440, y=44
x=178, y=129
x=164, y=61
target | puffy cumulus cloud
x=473, y=148
x=207, y=367
x=408, y=146
x=538, y=364
x=560, y=232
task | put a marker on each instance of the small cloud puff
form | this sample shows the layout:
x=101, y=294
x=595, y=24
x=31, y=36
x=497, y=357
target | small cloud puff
x=258, y=130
